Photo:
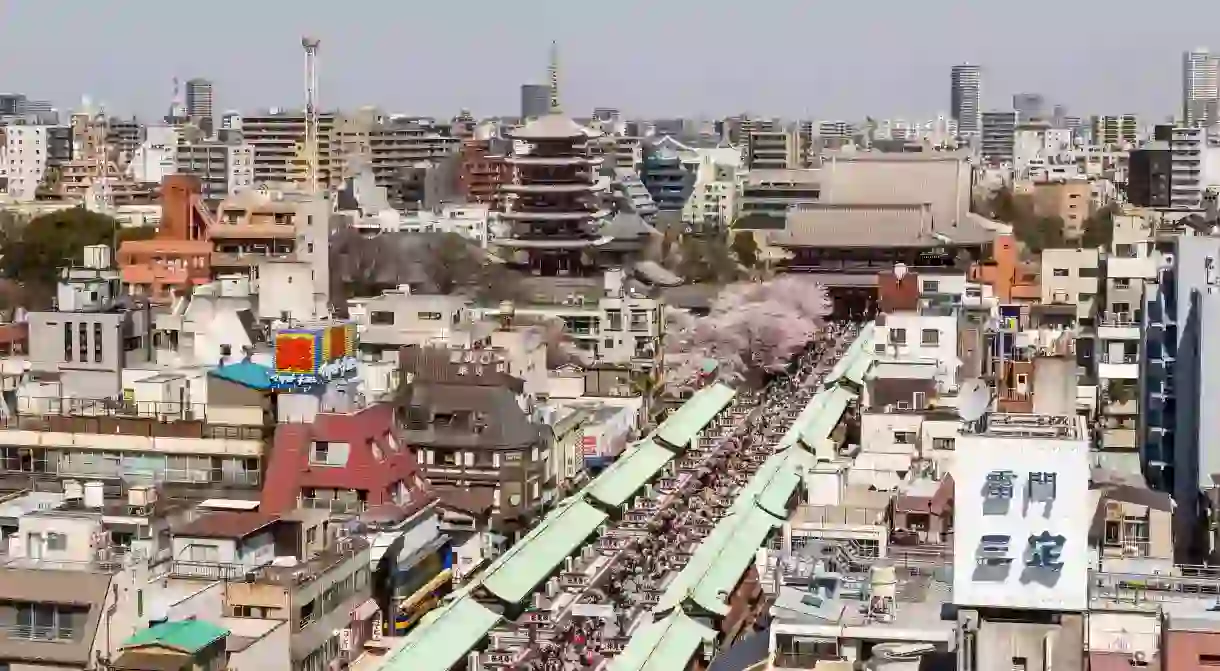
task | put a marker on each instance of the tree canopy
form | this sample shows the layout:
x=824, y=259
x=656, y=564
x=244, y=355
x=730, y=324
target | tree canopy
x=34, y=252
x=745, y=248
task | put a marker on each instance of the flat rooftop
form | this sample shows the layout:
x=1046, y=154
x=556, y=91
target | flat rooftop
x=1015, y=425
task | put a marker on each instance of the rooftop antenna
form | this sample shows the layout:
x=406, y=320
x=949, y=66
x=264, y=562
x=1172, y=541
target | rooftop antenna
x=310, y=45
x=973, y=400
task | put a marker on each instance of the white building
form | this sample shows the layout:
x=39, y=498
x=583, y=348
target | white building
x=713, y=196
x=1021, y=523
x=155, y=157
x=1039, y=153
x=916, y=336
x=23, y=160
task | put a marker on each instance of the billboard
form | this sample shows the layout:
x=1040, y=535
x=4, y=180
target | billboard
x=312, y=356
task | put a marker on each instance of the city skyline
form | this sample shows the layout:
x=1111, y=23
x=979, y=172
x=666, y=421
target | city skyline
x=129, y=66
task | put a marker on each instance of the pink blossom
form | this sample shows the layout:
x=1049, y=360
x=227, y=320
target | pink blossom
x=752, y=327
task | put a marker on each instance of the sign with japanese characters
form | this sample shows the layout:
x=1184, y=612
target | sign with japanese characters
x=310, y=357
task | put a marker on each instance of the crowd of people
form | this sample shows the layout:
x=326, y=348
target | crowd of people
x=659, y=535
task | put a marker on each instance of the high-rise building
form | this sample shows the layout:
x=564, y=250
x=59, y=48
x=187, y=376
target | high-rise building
x=1031, y=106
x=965, y=91
x=199, y=103
x=535, y=100
x=1200, y=88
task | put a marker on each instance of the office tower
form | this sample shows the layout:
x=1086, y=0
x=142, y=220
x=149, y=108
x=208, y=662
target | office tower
x=199, y=103
x=1029, y=106
x=1200, y=90
x=965, y=90
x=535, y=100
x=1059, y=116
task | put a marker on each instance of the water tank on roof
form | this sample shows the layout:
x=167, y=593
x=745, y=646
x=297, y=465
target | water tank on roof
x=94, y=494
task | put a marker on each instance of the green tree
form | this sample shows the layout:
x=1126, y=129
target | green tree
x=1039, y=233
x=745, y=248
x=34, y=253
x=1099, y=228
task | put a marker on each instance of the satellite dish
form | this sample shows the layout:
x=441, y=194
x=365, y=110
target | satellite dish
x=900, y=271
x=973, y=400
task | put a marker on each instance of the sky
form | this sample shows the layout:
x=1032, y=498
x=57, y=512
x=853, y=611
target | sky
x=818, y=59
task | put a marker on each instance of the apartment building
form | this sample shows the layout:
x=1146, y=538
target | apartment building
x=278, y=139
x=713, y=199
x=23, y=160
x=1115, y=132
x=66, y=613
x=1071, y=277
x=392, y=146
x=221, y=168
x=274, y=239
x=776, y=149
x=474, y=442
x=998, y=136
x=774, y=191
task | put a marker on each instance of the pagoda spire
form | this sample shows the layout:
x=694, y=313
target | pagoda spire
x=553, y=77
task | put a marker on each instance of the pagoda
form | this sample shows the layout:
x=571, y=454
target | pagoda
x=554, y=204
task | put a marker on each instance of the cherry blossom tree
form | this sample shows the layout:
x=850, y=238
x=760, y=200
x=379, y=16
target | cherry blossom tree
x=753, y=328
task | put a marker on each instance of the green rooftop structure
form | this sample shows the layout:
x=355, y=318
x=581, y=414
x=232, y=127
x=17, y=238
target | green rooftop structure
x=664, y=645
x=515, y=575
x=444, y=637
x=680, y=428
x=629, y=473
x=188, y=636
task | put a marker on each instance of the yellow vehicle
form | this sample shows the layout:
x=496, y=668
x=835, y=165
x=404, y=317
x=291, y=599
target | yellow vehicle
x=413, y=608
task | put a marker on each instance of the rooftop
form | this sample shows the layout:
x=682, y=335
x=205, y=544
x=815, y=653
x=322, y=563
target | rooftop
x=288, y=574
x=1014, y=425
x=185, y=635
x=227, y=524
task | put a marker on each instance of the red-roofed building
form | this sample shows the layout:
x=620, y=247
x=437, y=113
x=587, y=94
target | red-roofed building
x=348, y=463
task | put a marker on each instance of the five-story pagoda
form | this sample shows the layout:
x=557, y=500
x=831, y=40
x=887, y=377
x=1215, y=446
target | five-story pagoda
x=554, y=204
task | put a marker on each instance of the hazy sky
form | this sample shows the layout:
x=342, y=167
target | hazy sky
x=816, y=58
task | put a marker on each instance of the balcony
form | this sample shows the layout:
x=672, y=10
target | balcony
x=335, y=506
x=1122, y=408
x=211, y=571
x=1121, y=438
x=1125, y=367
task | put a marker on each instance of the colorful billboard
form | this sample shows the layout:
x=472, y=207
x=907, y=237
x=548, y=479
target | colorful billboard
x=312, y=356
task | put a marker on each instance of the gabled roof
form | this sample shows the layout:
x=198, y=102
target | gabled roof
x=189, y=636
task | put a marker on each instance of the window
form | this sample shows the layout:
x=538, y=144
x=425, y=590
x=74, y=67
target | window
x=1209, y=660
x=1125, y=251
x=82, y=341
x=226, y=350
x=1122, y=283
x=67, y=341
x=609, y=343
x=381, y=317
x=904, y=437
x=929, y=337
x=898, y=336
x=879, y=348
x=320, y=453
x=57, y=541
x=614, y=319
x=428, y=316
x=1083, y=297
x=1060, y=272
x=97, y=342
x=944, y=443
x=45, y=622
x=931, y=287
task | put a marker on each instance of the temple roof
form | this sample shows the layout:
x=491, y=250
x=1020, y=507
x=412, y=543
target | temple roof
x=553, y=126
